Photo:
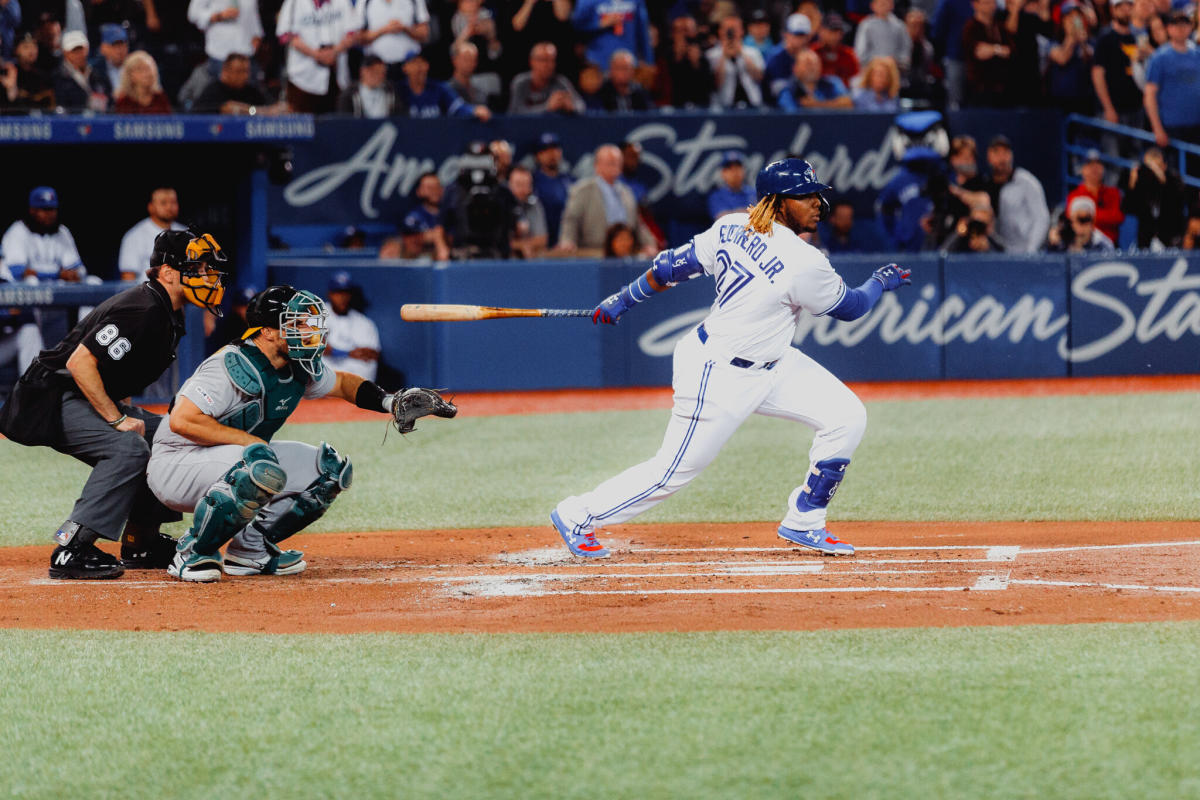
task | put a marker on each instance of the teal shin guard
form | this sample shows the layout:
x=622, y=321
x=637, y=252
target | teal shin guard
x=229, y=507
x=335, y=474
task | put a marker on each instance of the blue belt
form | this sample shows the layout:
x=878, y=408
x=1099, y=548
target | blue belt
x=744, y=363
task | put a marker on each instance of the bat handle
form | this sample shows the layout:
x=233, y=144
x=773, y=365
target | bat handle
x=565, y=312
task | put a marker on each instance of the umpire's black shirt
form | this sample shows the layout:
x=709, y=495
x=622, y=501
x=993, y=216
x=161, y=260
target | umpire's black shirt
x=133, y=336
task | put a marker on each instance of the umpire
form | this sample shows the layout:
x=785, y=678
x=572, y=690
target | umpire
x=72, y=399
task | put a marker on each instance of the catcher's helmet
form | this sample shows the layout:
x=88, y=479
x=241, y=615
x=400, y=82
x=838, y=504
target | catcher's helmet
x=792, y=177
x=188, y=252
x=298, y=315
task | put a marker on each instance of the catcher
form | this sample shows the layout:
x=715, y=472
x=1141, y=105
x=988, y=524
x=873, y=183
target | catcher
x=216, y=456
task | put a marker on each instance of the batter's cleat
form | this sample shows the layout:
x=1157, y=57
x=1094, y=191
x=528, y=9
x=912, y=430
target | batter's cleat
x=83, y=561
x=820, y=540
x=153, y=551
x=188, y=565
x=580, y=544
x=272, y=562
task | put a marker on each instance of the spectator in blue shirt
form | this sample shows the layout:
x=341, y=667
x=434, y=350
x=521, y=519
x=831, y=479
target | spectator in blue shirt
x=610, y=25
x=10, y=22
x=879, y=88
x=797, y=36
x=421, y=231
x=733, y=195
x=758, y=33
x=550, y=183
x=428, y=98
x=1172, y=92
x=810, y=89
x=949, y=19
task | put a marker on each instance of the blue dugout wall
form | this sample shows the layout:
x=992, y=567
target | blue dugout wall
x=963, y=317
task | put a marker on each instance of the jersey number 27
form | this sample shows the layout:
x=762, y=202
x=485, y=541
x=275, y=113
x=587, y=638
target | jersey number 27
x=732, y=277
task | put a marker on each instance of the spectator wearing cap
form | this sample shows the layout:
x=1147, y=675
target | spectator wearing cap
x=551, y=183
x=421, y=232
x=230, y=26
x=353, y=343
x=883, y=34
x=1069, y=64
x=114, y=49
x=542, y=89
x=1155, y=194
x=949, y=19
x=837, y=58
x=1107, y=199
x=395, y=30
x=530, y=235
x=987, y=46
x=426, y=99
x=620, y=92
x=1113, y=71
x=137, y=244
x=318, y=35
x=372, y=96
x=737, y=70
x=609, y=25
x=1172, y=94
x=39, y=248
x=688, y=79
x=597, y=202
x=810, y=89
x=1022, y=216
x=733, y=195
x=758, y=33
x=234, y=92
x=1078, y=232
x=797, y=36
x=77, y=87
x=139, y=91
x=878, y=86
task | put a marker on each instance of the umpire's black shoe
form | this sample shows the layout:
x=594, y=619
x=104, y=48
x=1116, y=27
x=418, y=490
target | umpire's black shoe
x=150, y=551
x=83, y=561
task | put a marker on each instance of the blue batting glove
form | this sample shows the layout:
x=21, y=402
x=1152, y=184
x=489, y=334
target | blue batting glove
x=892, y=277
x=611, y=309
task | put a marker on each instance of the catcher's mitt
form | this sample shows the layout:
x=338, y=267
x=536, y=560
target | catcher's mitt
x=412, y=404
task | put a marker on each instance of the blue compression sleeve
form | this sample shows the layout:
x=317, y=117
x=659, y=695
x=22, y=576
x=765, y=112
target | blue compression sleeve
x=857, y=302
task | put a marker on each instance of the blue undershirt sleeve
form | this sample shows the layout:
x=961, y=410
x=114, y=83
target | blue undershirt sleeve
x=858, y=302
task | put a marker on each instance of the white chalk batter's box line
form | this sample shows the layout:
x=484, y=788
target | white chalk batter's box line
x=486, y=581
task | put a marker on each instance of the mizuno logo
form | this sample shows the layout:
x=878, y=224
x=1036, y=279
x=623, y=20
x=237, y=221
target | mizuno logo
x=283, y=405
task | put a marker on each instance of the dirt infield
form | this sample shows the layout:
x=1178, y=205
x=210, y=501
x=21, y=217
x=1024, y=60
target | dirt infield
x=660, y=578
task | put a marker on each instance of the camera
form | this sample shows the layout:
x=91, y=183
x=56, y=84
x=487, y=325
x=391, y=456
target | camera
x=976, y=227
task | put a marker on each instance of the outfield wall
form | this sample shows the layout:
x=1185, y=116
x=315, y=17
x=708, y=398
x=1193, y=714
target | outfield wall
x=963, y=317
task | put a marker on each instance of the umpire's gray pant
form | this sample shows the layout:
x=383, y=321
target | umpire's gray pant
x=118, y=460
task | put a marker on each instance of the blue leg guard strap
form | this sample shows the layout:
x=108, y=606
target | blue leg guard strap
x=821, y=484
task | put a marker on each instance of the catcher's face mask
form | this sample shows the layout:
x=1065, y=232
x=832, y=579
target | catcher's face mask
x=202, y=283
x=302, y=324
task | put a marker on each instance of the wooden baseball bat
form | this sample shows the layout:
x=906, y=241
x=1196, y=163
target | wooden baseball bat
x=449, y=312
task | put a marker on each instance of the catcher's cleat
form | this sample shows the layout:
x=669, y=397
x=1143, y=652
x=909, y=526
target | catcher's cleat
x=820, y=540
x=580, y=544
x=188, y=565
x=272, y=562
x=153, y=551
x=83, y=562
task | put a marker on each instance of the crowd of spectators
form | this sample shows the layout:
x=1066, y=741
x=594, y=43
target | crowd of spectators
x=1130, y=61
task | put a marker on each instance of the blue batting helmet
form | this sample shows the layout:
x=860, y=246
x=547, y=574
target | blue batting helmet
x=790, y=176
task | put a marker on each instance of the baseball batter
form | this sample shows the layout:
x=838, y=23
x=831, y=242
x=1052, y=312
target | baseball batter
x=216, y=456
x=740, y=361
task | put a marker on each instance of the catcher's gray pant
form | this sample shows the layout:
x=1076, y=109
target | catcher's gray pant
x=181, y=477
x=118, y=460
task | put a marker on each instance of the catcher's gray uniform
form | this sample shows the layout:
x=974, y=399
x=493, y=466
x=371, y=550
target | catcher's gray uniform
x=181, y=471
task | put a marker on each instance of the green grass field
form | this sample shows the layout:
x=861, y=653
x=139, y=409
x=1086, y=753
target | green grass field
x=1065, y=711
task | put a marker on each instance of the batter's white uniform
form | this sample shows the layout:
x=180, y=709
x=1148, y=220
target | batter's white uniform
x=181, y=471
x=347, y=332
x=738, y=362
